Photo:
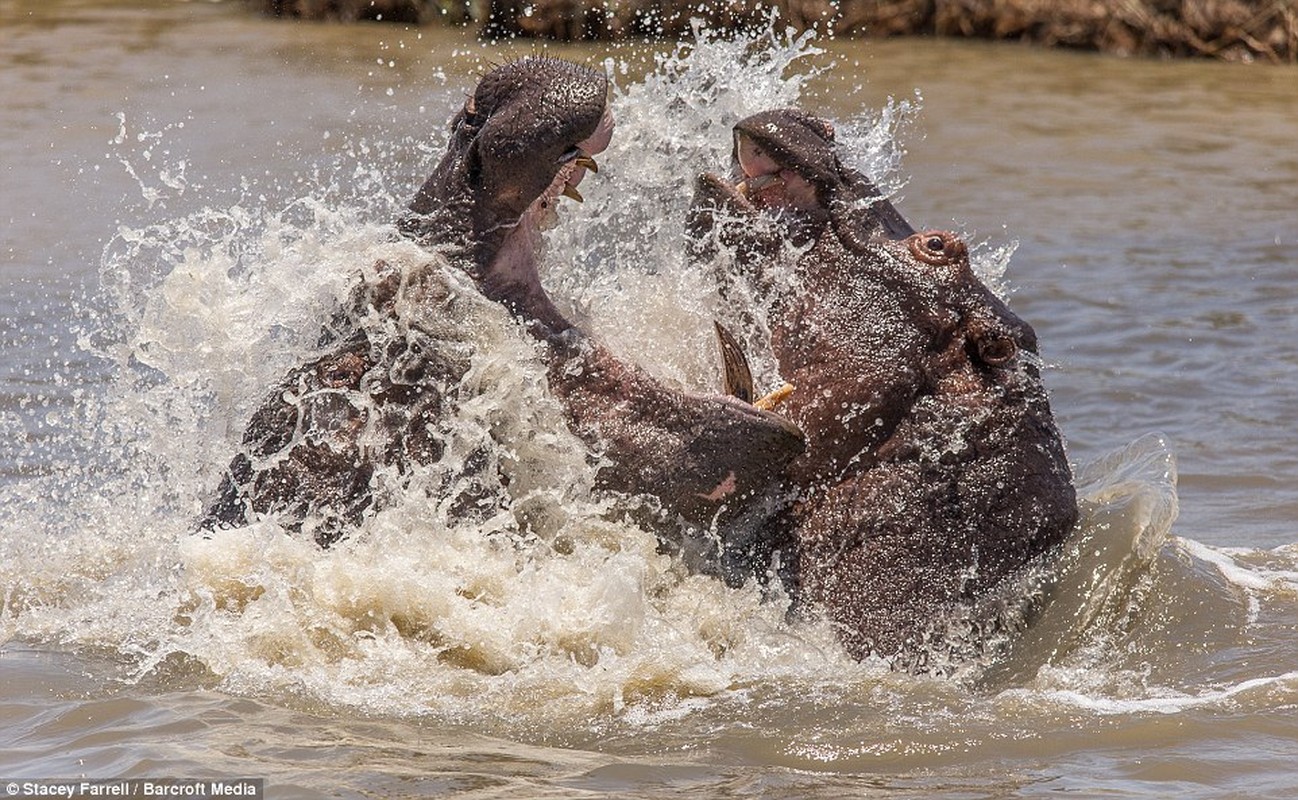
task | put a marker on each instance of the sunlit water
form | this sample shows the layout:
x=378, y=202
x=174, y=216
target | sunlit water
x=185, y=193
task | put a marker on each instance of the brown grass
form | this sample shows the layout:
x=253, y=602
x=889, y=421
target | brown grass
x=1231, y=30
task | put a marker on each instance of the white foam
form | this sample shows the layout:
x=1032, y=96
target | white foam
x=1159, y=700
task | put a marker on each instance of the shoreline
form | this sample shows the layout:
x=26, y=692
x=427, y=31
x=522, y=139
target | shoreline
x=1240, y=31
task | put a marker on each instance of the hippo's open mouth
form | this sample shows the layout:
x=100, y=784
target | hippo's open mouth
x=510, y=274
x=573, y=166
x=785, y=165
x=769, y=182
x=524, y=139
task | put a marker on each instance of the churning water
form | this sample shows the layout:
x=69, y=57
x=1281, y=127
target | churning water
x=188, y=192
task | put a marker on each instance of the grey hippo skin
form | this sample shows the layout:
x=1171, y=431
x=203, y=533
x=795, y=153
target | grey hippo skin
x=377, y=396
x=933, y=470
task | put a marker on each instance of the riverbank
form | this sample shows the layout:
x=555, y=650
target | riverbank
x=1227, y=30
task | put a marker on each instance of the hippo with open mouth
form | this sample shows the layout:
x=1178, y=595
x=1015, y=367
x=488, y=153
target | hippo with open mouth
x=933, y=469
x=377, y=394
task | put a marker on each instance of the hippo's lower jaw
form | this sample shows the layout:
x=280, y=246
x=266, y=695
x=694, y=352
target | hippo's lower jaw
x=510, y=274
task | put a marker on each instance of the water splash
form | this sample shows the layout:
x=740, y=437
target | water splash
x=169, y=174
x=552, y=612
x=619, y=263
x=550, y=604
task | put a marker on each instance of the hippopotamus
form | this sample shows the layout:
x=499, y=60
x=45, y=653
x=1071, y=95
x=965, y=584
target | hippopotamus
x=933, y=470
x=375, y=399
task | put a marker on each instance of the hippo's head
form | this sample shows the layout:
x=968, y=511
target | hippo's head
x=787, y=162
x=933, y=469
x=524, y=138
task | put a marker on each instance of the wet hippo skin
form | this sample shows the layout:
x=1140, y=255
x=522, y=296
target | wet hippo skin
x=933, y=469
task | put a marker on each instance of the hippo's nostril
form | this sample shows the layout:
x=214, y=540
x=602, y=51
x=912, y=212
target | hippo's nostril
x=997, y=350
x=936, y=244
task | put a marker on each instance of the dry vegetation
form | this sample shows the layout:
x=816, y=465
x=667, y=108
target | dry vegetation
x=1231, y=30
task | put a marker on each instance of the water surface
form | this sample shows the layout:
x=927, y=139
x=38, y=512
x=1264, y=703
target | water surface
x=187, y=189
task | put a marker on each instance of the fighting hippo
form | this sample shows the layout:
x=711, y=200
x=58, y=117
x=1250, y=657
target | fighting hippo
x=933, y=470
x=375, y=399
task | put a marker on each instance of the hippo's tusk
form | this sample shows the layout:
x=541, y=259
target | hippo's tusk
x=579, y=157
x=738, y=378
x=772, y=401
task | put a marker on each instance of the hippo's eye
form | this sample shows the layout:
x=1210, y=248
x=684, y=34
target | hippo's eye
x=937, y=248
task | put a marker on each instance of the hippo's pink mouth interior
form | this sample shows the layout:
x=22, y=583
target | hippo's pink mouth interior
x=769, y=184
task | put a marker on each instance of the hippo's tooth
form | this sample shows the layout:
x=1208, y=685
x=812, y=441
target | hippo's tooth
x=751, y=186
x=772, y=401
x=579, y=157
x=738, y=378
x=570, y=191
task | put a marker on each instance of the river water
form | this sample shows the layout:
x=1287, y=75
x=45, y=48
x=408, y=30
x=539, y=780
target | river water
x=185, y=190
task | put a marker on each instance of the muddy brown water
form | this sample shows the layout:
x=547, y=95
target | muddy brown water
x=184, y=190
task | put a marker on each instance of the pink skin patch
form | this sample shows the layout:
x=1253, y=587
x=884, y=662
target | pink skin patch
x=724, y=488
x=598, y=141
x=770, y=184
